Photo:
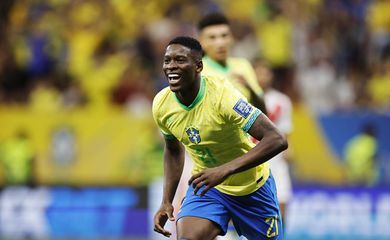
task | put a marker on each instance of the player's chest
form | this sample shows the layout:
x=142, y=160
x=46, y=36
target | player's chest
x=197, y=127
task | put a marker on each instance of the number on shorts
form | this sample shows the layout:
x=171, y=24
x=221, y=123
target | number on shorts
x=273, y=221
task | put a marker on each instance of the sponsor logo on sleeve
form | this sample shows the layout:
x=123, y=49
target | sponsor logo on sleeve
x=243, y=108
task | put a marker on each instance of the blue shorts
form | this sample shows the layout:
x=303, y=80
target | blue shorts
x=254, y=216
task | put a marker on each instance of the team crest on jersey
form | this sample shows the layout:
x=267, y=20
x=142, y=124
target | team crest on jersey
x=193, y=135
x=243, y=108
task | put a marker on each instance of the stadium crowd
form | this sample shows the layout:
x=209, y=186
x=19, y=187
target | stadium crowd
x=57, y=54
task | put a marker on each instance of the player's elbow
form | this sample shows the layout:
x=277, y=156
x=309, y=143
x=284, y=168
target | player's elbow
x=284, y=144
x=280, y=142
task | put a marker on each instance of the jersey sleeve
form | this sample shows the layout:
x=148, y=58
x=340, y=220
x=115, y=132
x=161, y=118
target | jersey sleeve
x=157, y=113
x=236, y=109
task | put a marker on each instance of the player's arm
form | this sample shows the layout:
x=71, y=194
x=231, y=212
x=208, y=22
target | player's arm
x=271, y=142
x=255, y=99
x=173, y=168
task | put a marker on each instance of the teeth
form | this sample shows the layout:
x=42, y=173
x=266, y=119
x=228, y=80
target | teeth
x=173, y=75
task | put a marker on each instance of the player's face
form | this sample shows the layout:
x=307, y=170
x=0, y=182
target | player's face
x=216, y=41
x=181, y=67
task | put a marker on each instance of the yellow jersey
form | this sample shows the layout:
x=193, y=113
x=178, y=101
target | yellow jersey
x=234, y=65
x=213, y=130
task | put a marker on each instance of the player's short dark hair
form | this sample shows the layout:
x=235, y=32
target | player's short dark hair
x=211, y=19
x=189, y=42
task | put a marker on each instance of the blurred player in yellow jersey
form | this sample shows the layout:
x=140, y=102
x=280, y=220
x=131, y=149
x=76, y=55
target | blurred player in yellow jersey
x=230, y=179
x=216, y=38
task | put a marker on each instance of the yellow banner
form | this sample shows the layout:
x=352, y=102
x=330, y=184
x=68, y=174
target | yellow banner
x=84, y=147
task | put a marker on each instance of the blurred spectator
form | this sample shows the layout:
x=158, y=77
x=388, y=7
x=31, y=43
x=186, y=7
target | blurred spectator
x=144, y=46
x=360, y=156
x=72, y=95
x=317, y=81
x=379, y=84
x=378, y=20
x=103, y=72
x=14, y=81
x=245, y=43
x=40, y=61
x=17, y=159
x=133, y=91
x=44, y=96
x=274, y=32
x=86, y=29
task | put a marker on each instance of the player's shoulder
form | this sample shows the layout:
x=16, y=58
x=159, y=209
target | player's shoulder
x=279, y=95
x=239, y=61
x=221, y=88
x=216, y=83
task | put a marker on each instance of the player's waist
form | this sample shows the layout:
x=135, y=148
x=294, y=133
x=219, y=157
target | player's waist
x=243, y=184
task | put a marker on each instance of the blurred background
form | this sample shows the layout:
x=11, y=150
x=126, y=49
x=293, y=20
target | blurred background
x=81, y=158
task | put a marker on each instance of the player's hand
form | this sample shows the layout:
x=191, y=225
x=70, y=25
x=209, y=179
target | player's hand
x=160, y=218
x=208, y=178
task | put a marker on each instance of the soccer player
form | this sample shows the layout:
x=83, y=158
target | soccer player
x=216, y=38
x=231, y=179
x=279, y=108
x=360, y=157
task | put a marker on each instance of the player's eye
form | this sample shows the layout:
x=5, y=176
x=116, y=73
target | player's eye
x=181, y=60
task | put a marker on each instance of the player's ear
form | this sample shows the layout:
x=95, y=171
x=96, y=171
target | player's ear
x=199, y=66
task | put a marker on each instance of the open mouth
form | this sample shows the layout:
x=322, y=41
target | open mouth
x=173, y=78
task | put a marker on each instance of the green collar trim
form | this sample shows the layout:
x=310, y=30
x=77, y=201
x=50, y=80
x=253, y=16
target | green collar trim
x=216, y=65
x=198, y=98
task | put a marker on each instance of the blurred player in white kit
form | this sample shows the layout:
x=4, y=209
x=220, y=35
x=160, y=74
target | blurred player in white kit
x=279, y=110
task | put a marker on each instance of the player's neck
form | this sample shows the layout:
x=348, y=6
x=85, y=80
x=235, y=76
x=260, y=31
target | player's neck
x=187, y=96
x=223, y=63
